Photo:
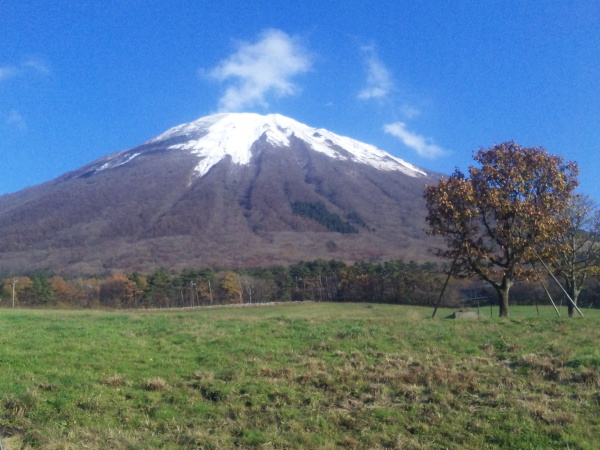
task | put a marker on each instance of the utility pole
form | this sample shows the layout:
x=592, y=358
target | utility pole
x=192, y=289
x=14, y=282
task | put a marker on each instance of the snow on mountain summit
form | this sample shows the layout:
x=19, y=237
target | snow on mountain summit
x=214, y=137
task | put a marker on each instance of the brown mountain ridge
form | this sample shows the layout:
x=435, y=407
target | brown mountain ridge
x=229, y=190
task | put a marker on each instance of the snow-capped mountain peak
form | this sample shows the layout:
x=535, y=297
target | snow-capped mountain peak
x=186, y=199
x=212, y=138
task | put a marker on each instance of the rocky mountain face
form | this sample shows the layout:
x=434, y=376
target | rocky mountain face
x=228, y=190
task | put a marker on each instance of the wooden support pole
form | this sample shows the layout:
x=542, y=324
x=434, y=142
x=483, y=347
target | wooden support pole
x=558, y=282
x=550, y=297
x=444, y=288
x=547, y=293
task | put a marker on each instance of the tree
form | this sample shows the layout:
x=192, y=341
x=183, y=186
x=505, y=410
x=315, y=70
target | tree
x=64, y=292
x=579, y=246
x=140, y=286
x=188, y=285
x=247, y=286
x=40, y=291
x=207, y=276
x=159, y=288
x=13, y=286
x=300, y=273
x=284, y=283
x=230, y=285
x=497, y=220
x=118, y=291
x=87, y=292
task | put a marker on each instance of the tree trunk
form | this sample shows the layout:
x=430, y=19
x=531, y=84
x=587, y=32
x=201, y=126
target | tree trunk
x=503, y=291
x=574, y=294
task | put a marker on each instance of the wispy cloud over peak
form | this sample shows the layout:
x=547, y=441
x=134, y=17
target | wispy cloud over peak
x=410, y=112
x=28, y=66
x=258, y=69
x=15, y=120
x=424, y=146
x=379, y=80
x=36, y=65
x=7, y=72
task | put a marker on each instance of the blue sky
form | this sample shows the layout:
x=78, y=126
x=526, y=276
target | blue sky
x=428, y=81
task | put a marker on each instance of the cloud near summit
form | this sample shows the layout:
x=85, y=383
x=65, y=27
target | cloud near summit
x=259, y=69
x=268, y=66
x=13, y=119
x=379, y=80
x=28, y=66
x=421, y=144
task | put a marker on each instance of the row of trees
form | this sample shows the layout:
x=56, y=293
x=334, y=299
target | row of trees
x=511, y=216
x=388, y=282
x=391, y=282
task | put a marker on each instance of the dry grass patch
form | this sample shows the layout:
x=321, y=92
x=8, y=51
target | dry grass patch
x=589, y=376
x=409, y=392
x=155, y=384
x=287, y=372
x=116, y=380
x=545, y=366
x=314, y=364
x=21, y=405
x=201, y=375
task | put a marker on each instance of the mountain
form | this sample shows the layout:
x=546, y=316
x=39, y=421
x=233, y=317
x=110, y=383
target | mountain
x=227, y=190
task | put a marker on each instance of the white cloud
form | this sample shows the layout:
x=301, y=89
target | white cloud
x=15, y=120
x=424, y=146
x=28, y=66
x=261, y=68
x=410, y=112
x=379, y=80
x=7, y=72
x=36, y=65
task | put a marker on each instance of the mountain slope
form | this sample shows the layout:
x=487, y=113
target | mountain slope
x=226, y=190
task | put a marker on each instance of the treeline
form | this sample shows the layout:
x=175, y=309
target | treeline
x=331, y=281
x=388, y=282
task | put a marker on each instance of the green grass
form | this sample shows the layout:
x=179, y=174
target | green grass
x=298, y=376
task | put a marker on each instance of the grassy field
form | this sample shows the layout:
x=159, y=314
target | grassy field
x=298, y=376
